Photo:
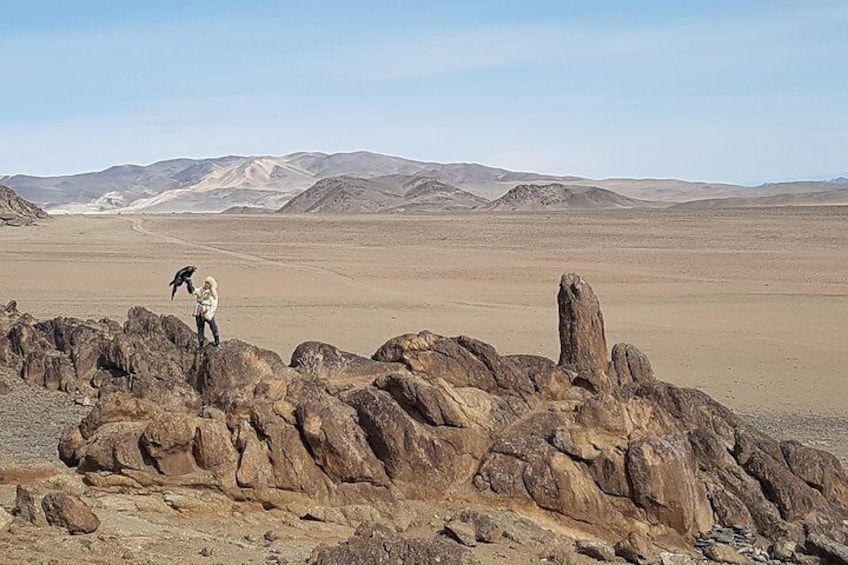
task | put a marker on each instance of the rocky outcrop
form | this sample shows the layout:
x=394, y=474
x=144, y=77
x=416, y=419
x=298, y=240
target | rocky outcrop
x=15, y=211
x=149, y=356
x=593, y=442
x=583, y=345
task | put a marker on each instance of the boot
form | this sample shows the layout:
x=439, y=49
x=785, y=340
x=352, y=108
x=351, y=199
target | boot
x=217, y=341
x=201, y=343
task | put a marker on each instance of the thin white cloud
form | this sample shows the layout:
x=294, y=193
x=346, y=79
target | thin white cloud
x=730, y=42
x=444, y=51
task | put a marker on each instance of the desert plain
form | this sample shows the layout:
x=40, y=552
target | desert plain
x=748, y=305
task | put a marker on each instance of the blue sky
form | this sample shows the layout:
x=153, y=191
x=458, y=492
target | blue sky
x=733, y=90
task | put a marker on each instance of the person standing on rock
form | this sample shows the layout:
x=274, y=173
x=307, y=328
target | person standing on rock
x=204, y=311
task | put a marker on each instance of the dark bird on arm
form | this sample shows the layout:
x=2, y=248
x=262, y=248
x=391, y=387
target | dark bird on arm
x=182, y=276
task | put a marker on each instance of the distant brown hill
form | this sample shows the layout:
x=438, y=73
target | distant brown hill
x=386, y=194
x=429, y=195
x=15, y=211
x=559, y=196
x=822, y=198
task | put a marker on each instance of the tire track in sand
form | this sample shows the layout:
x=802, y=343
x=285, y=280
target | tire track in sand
x=137, y=225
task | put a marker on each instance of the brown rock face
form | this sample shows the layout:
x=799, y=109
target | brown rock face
x=338, y=445
x=406, y=447
x=431, y=354
x=583, y=344
x=427, y=403
x=168, y=442
x=53, y=371
x=254, y=469
x=292, y=465
x=226, y=376
x=70, y=512
x=608, y=470
x=593, y=442
x=463, y=362
x=27, y=506
x=150, y=356
x=819, y=469
x=630, y=365
x=522, y=464
x=214, y=451
x=663, y=478
x=327, y=361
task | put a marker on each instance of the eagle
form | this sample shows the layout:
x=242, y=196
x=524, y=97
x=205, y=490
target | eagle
x=182, y=276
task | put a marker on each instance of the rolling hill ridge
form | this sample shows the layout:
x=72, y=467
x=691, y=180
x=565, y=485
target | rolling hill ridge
x=268, y=183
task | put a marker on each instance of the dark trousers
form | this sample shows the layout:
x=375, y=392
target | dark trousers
x=201, y=334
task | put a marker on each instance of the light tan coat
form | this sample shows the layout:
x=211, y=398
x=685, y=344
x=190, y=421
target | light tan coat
x=207, y=299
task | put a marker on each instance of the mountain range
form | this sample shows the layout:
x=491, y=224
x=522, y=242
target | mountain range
x=364, y=182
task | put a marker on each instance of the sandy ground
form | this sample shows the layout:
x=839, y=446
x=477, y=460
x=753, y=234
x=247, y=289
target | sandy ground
x=748, y=305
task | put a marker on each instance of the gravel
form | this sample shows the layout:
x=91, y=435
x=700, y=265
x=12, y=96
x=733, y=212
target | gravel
x=825, y=432
x=32, y=420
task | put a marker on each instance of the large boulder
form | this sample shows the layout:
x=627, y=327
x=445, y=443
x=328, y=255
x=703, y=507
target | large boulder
x=525, y=464
x=50, y=369
x=226, y=376
x=69, y=512
x=426, y=353
x=463, y=362
x=322, y=360
x=168, y=442
x=750, y=478
x=123, y=433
